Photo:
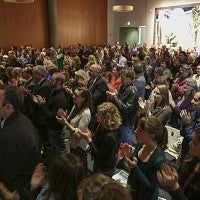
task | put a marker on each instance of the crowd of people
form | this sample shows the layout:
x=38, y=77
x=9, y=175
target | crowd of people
x=108, y=101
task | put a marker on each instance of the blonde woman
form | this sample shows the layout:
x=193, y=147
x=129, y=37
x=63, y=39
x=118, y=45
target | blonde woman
x=106, y=139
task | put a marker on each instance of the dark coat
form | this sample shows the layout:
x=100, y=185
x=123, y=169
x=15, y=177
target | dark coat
x=37, y=115
x=26, y=107
x=18, y=154
x=127, y=103
x=98, y=91
x=105, y=148
x=57, y=99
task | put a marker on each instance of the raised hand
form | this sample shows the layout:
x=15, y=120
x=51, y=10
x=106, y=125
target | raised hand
x=130, y=163
x=86, y=135
x=68, y=90
x=38, y=176
x=185, y=117
x=141, y=103
x=7, y=194
x=127, y=150
x=35, y=99
x=61, y=113
x=41, y=99
x=168, y=177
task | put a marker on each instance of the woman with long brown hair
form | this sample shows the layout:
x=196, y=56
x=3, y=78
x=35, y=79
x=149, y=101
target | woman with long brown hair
x=146, y=159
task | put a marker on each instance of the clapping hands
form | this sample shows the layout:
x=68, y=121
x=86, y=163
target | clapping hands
x=38, y=176
x=144, y=106
x=127, y=152
x=7, y=194
x=38, y=99
x=86, y=135
x=185, y=117
x=168, y=177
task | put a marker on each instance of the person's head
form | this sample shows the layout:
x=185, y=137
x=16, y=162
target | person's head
x=64, y=175
x=11, y=54
x=92, y=58
x=27, y=73
x=198, y=70
x=81, y=77
x=186, y=71
x=190, y=86
x=127, y=76
x=151, y=129
x=101, y=187
x=39, y=73
x=57, y=80
x=94, y=71
x=195, y=143
x=138, y=67
x=159, y=71
x=11, y=99
x=82, y=98
x=196, y=102
x=17, y=72
x=160, y=80
x=52, y=70
x=116, y=71
x=108, y=116
x=76, y=60
x=161, y=95
x=183, y=57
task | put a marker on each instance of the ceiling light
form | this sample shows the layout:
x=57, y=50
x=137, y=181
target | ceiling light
x=122, y=8
x=19, y=1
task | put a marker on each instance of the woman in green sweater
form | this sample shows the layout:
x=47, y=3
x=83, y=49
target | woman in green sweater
x=147, y=158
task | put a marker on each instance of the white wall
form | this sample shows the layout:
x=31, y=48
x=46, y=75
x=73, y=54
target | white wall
x=142, y=15
x=137, y=17
x=151, y=5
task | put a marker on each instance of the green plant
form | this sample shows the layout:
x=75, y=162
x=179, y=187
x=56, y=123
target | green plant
x=196, y=23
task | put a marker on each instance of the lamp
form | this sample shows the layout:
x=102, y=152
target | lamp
x=19, y=1
x=122, y=8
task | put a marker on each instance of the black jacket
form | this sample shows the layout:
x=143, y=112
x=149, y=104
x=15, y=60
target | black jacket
x=57, y=99
x=105, y=148
x=18, y=154
x=127, y=103
x=37, y=115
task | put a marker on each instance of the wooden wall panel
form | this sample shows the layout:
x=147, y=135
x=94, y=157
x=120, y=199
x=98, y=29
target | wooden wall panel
x=23, y=24
x=82, y=21
x=79, y=21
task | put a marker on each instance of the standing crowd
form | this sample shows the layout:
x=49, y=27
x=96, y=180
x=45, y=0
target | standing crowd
x=112, y=102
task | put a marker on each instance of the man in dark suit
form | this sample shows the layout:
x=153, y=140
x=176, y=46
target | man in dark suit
x=58, y=99
x=98, y=88
x=42, y=87
x=27, y=89
x=18, y=141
